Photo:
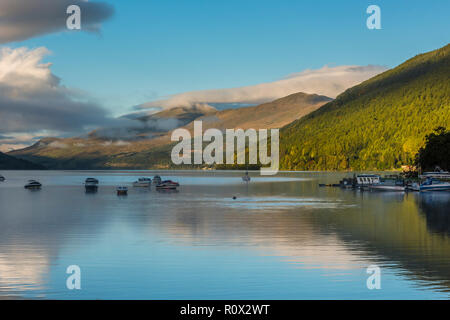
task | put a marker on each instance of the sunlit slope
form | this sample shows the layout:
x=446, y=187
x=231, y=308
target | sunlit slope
x=379, y=124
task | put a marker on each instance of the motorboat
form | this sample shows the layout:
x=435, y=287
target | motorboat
x=91, y=184
x=157, y=180
x=438, y=173
x=389, y=183
x=246, y=177
x=122, y=191
x=386, y=186
x=431, y=185
x=2, y=178
x=167, y=185
x=143, y=183
x=33, y=185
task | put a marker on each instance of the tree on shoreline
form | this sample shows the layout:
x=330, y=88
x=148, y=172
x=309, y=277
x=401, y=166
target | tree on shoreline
x=436, y=152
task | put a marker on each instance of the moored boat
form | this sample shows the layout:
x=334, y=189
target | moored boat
x=392, y=184
x=431, y=185
x=2, y=178
x=143, y=183
x=437, y=174
x=91, y=184
x=167, y=185
x=33, y=185
x=157, y=180
x=367, y=180
x=122, y=191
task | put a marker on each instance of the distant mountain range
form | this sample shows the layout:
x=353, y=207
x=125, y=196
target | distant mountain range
x=379, y=124
x=147, y=145
x=11, y=163
x=275, y=114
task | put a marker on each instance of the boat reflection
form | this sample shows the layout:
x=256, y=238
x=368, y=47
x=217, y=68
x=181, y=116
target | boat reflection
x=302, y=227
x=436, y=208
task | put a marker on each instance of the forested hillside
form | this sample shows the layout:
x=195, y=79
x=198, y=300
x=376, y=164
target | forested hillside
x=379, y=124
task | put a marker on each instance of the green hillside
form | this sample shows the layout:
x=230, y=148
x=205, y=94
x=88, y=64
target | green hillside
x=379, y=124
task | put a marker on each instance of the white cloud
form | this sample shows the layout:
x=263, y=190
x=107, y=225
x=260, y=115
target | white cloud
x=10, y=147
x=32, y=101
x=327, y=81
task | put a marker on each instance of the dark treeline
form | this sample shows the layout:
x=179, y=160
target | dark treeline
x=436, y=152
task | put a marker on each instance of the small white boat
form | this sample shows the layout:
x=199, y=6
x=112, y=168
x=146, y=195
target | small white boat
x=246, y=178
x=33, y=185
x=431, y=185
x=142, y=183
x=157, y=180
x=122, y=191
x=2, y=178
x=91, y=184
x=167, y=185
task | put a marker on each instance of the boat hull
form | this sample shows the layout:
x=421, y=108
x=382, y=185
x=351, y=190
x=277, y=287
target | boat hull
x=388, y=188
x=34, y=187
x=168, y=185
x=444, y=187
x=142, y=184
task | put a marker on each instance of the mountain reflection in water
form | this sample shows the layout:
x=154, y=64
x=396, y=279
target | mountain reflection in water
x=281, y=238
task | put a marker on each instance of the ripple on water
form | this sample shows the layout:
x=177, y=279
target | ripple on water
x=278, y=203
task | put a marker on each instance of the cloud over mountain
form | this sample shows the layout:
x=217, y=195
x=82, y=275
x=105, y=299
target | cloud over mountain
x=32, y=100
x=24, y=19
x=327, y=81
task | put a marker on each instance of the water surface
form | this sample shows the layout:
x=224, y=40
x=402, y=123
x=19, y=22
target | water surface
x=282, y=238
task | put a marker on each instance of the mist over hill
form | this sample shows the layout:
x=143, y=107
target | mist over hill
x=143, y=142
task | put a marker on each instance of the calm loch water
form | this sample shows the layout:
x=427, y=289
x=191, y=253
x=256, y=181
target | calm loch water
x=282, y=238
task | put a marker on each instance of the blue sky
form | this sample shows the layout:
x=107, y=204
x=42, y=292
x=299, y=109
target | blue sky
x=150, y=49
